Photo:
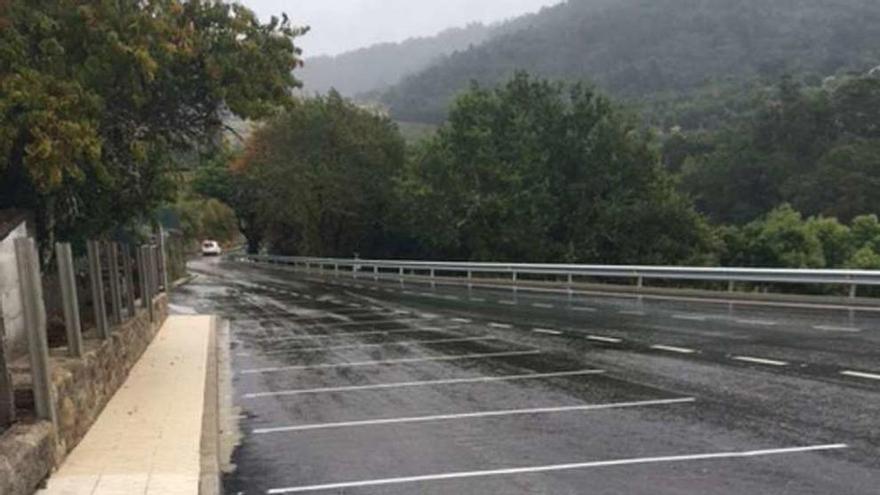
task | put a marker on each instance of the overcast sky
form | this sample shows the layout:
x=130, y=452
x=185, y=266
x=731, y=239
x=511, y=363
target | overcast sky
x=342, y=25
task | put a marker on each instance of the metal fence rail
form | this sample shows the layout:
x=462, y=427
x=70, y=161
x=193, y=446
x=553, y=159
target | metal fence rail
x=517, y=272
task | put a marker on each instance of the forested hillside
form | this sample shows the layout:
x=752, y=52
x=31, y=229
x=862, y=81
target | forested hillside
x=379, y=66
x=657, y=49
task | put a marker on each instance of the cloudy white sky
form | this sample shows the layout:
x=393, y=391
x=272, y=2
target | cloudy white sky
x=342, y=25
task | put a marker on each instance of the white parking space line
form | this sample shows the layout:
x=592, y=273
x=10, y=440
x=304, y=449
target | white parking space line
x=585, y=309
x=832, y=328
x=476, y=415
x=504, y=326
x=769, y=362
x=383, y=344
x=360, y=364
x=669, y=348
x=861, y=374
x=763, y=323
x=558, y=467
x=546, y=331
x=607, y=340
x=543, y=305
x=449, y=381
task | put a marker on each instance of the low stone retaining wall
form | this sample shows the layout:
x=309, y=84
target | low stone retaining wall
x=82, y=387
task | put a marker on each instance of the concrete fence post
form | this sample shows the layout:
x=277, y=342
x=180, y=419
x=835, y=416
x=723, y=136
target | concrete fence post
x=35, y=322
x=142, y=277
x=113, y=278
x=163, y=261
x=96, y=277
x=128, y=275
x=69, y=299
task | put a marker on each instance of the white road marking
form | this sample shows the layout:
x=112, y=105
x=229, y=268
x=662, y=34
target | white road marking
x=461, y=320
x=607, y=340
x=546, y=331
x=474, y=415
x=585, y=309
x=557, y=467
x=452, y=298
x=861, y=374
x=330, y=336
x=477, y=299
x=507, y=302
x=769, y=362
x=500, y=325
x=450, y=381
x=764, y=323
x=359, y=364
x=832, y=328
x=383, y=344
x=669, y=348
x=543, y=305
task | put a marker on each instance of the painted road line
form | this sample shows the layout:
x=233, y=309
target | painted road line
x=749, y=454
x=359, y=323
x=450, y=381
x=475, y=415
x=585, y=309
x=477, y=299
x=762, y=323
x=461, y=320
x=546, y=331
x=769, y=362
x=669, y=348
x=504, y=326
x=383, y=344
x=542, y=305
x=861, y=374
x=507, y=302
x=452, y=298
x=354, y=334
x=607, y=340
x=361, y=364
x=832, y=328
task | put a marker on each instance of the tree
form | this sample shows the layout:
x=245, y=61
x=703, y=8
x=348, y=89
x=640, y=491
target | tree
x=320, y=180
x=538, y=171
x=97, y=99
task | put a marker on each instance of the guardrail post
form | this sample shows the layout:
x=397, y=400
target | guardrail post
x=853, y=291
x=69, y=300
x=640, y=282
x=113, y=278
x=375, y=273
x=433, y=282
x=400, y=275
x=336, y=270
x=731, y=286
x=128, y=274
x=34, y=312
x=96, y=278
x=515, y=281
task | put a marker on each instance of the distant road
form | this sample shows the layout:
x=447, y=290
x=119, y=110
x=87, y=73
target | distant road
x=366, y=388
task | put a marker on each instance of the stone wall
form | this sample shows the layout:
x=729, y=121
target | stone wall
x=82, y=387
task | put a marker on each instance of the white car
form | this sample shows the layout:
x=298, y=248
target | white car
x=211, y=248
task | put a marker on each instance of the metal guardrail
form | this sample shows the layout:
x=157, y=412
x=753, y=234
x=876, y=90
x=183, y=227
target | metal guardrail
x=635, y=274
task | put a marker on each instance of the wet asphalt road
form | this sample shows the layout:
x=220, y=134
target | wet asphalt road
x=357, y=387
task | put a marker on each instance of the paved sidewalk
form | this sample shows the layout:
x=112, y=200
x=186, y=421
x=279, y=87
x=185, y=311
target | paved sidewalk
x=147, y=439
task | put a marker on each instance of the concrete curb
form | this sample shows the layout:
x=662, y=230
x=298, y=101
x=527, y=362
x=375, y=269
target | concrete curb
x=209, y=477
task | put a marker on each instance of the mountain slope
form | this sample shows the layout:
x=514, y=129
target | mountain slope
x=380, y=66
x=639, y=49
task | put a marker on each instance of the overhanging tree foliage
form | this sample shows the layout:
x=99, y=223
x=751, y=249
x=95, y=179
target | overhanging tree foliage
x=97, y=97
